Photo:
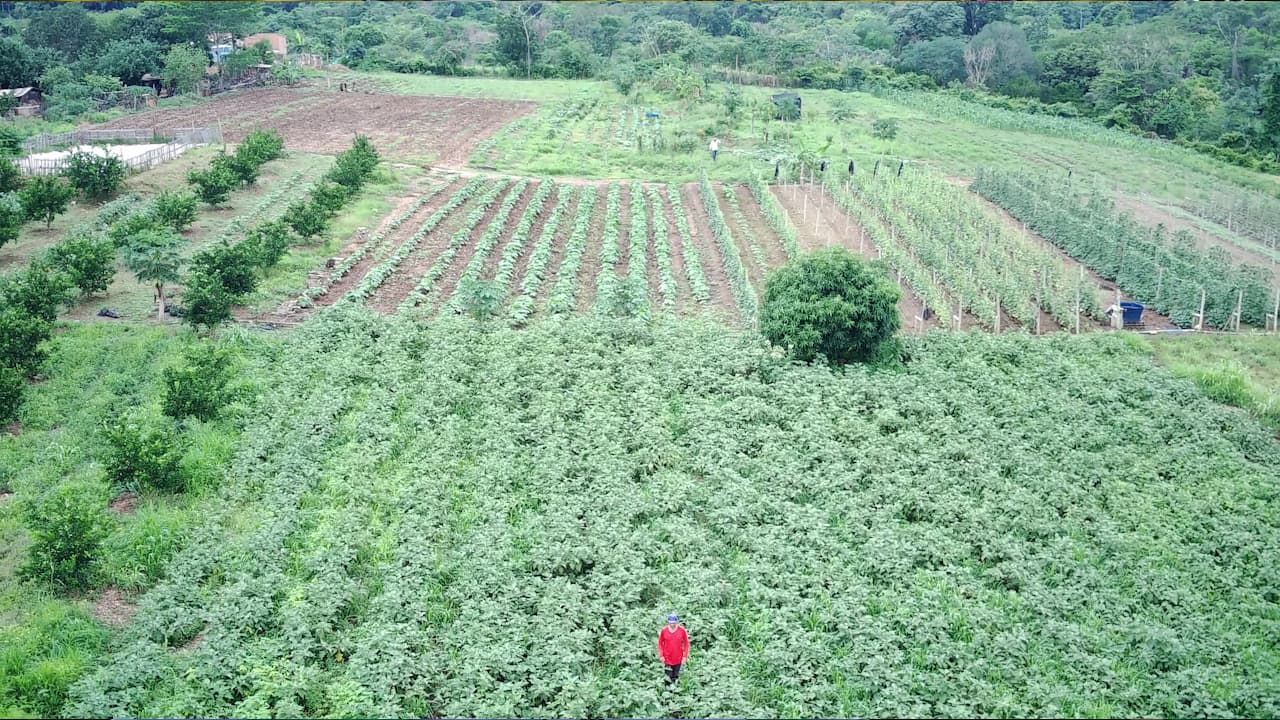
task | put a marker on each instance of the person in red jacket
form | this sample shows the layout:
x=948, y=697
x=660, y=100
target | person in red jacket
x=673, y=646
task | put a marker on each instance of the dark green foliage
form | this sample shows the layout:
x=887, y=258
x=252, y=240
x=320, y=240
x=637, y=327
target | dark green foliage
x=10, y=176
x=88, y=263
x=206, y=300
x=12, y=385
x=67, y=524
x=126, y=231
x=1271, y=113
x=39, y=290
x=96, y=176
x=154, y=258
x=885, y=128
x=267, y=243
x=261, y=146
x=214, y=185
x=354, y=166
x=143, y=451
x=44, y=654
x=201, y=385
x=45, y=197
x=20, y=337
x=242, y=168
x=232, y=265
x=481, y=299
x=329, y=197
x=175, y=210
x=306, y=219
x=12, y=217
x=829, y=304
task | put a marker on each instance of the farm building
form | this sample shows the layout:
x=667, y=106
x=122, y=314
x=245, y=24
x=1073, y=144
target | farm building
x=29, y=100
x=786, y=105
x=279, y=45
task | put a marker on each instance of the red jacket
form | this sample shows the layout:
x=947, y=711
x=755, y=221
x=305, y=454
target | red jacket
x=673, y=645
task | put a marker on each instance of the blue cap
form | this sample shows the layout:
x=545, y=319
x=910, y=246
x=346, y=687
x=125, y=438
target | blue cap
x=673, y=618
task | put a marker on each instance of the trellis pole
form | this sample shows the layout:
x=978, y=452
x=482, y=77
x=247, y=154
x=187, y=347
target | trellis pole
x=1079, y=285
x=1199, y=325
x=1275, y=314
x=1239, y=309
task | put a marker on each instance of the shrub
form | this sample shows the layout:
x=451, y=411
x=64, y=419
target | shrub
x=96, y=176
x=175, y=210
x=10, y=142
x=329, y=197
x=355, y=165
x=12, y=216
x=242, y=168
x=267, y=243
x=144, y=451
x=481, y=299
x=67, y=526
x=10, y=177
x=207, y=301
x=829, y=304
x=20, y=338
x=201, y=385
x=306, y=219
x=45, y=197
x=88, y=264
x=135, y=557
x=885, y=128
x=12, y=385
x=127, y=231
x=214, y=185
x=261, y=146
x=38, y=289
x=230, y=264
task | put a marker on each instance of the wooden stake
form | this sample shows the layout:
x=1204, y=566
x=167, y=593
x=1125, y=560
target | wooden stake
x=1200, y=315
x=806, y=207
x=1078, y=298
x=816, y=217
x=997, y=314
x=1275, y=315
x=1159, y=282
x=1239, y=308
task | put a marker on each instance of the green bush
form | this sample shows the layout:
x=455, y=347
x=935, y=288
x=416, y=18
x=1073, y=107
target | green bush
x=354, y=166
x=829, y=304
x=329, y=197
x=67, y=524
x=206, y=300
x=43, y=655
x=12, y=386
x=261, y=146
x=175, y=210
x=244, y=169
x=125, y=231
x=885, y=128
x=144, y=451
x=134, y=557
x=96, y=176
x=45, y=197
x=39, y=289
x=213, y=186
x=10, y=177
x=12, y=216
x=20, y=337
x=306, y=219
x=10, y=142
x=201, y=385
x=230, y=264
x=88, y=264
x=267, y=243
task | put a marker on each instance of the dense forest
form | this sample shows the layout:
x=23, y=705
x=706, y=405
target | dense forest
x=1203, y=74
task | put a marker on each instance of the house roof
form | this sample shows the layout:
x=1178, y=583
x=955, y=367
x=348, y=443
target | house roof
x=16, y=92
x=279, y=45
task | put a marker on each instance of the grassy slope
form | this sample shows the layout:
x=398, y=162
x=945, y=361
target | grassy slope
x=96, y=371
x=439, y=519
x=1239, y=370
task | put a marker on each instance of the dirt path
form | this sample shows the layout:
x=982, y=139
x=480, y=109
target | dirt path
x=558, y=245
x=1149, y=214
x=591, y=260
x=404, y=280
x=684, y=294
x=708, y=252
x=769, y=240
x=742, y=239
x=448, y=282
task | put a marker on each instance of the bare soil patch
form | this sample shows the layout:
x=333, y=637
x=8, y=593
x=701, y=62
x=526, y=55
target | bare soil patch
x=126, y=503
x=741, y=240
x=652, y=272
x=112, y=608
x=760, y=227
x=535, y=228
x=452, y=276
x=558, y=244
x=411, y=128
x=591, y=259
x=708, y=252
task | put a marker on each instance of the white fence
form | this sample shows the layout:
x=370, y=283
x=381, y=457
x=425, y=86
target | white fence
x=193, y=136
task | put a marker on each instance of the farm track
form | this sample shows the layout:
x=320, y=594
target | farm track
x=831, y=232
x=558, y=244
x=389, y=243
x=589, y=273
x=684, y=294
x=314, y=120
x=742, y=239
x=449, y=281
x=708, y=252
x=651, y=269
x=387, y=297
x=1106, y=288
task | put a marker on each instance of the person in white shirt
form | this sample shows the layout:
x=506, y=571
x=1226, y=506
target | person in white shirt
x=715, y=148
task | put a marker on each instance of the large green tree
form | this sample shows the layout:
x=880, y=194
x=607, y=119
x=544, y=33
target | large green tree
x=184, y=66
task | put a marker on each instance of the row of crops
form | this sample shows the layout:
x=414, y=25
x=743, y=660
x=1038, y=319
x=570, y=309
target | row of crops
x=1166, y=271
x=540, y=246
x=957, y=257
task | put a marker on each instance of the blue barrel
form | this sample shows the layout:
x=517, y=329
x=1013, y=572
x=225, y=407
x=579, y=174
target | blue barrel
x=1132, y=312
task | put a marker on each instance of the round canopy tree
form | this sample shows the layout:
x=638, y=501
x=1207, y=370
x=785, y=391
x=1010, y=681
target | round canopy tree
x=830, y=304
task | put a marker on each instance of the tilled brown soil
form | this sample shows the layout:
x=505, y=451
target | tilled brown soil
x=552, y=271
x=589, y=272
x=742, y=238
x=448, y=282
x=708, y=252
x=684, y=297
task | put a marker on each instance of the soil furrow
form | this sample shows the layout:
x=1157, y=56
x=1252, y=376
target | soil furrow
x=709, y=253
x=522, y=205
x=557, y=252
x=760, y=227
x=684, y=297
x=591, y=260
x=742, y=240
x=652, y=271
x=448, y=282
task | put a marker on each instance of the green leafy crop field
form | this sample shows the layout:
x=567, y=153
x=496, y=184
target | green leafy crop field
x=465, y=520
